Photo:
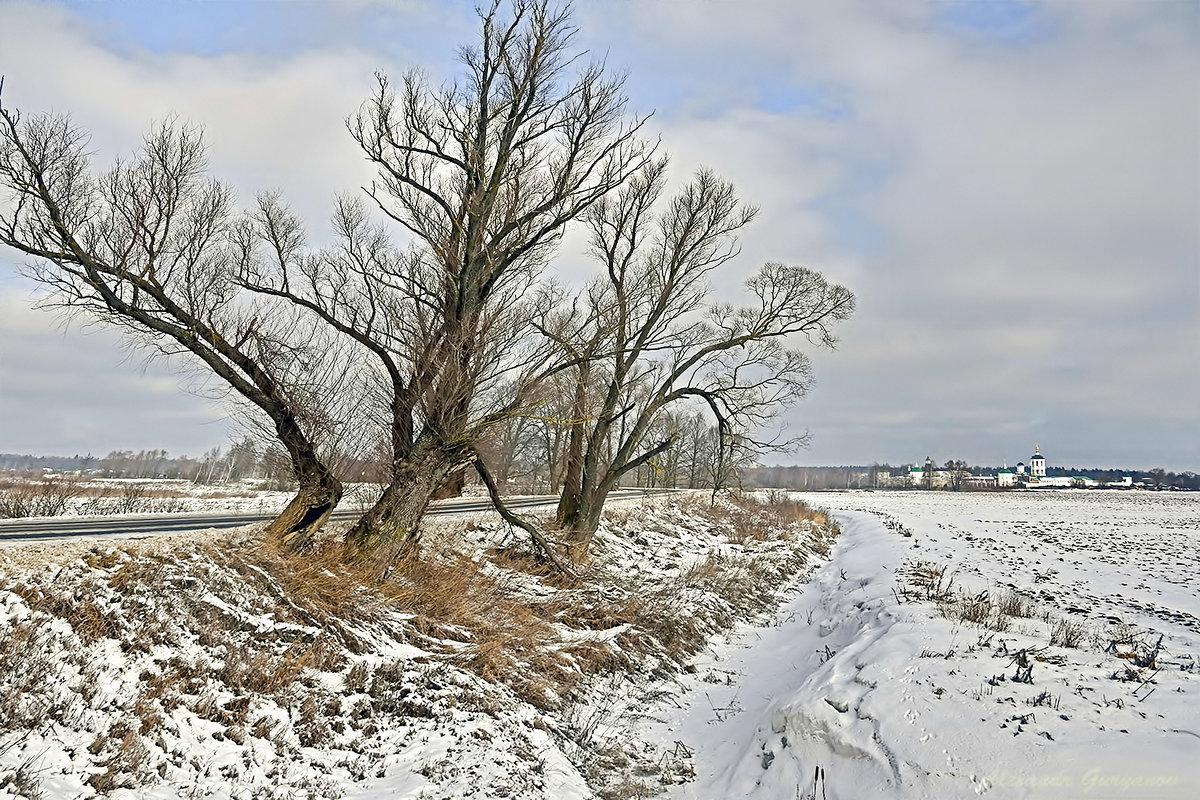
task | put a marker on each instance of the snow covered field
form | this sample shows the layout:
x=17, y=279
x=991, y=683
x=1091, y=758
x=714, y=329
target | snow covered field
x=1018, y=645
x=918, y=662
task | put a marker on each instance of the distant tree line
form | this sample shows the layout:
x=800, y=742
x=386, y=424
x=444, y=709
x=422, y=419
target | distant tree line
x=877, y=476
x=242, y=459
x=526, y=455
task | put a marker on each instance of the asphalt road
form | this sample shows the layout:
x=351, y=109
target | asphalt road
x=20, y=531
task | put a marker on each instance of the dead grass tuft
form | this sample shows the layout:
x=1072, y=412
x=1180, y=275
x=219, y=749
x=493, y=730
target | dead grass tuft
x=976, y=609
x=926, y=580
x=754, y=517
x=1068, y=633
x=1012, y=603
x=80, y=609
x=122, y=753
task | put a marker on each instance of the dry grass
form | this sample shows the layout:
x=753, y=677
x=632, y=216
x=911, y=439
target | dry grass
x=1068, y=633
x=995, y=611
x=988, y=609
x=976, y=609
x=263, y=624
x=1012, y=603
x=928, y=581
x=27, y=659
x=122, y=752
x=748, y=516
x=505, y=637
x=80, y=609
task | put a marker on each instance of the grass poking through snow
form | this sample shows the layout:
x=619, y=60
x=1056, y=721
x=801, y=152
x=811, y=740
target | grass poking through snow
x=202, y=665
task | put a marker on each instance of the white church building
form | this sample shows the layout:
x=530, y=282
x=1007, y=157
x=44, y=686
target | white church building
x=1031, y=475
x=1036, y=469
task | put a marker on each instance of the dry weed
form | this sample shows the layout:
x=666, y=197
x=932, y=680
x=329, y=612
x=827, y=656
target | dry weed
x=1012, y=603
x=976, y=609
x=930, y=581
x=32, y=679
x=1068, y=633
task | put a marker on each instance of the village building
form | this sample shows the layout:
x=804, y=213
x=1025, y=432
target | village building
x=1032, y=476
x=978, y=482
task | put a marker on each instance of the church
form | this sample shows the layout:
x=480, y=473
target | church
x=1027, y=476
x=1037, y=467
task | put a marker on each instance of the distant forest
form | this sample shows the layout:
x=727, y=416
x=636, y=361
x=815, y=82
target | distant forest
x=241, y=460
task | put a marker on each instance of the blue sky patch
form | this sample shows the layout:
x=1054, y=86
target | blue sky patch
x=1011, y=22
x=779, y=97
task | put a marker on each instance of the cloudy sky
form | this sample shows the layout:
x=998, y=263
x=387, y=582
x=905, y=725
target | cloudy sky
x=1010, y=187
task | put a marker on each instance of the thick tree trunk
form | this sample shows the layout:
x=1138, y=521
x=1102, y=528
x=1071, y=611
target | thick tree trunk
x=580, y=524
x=294, y=528
x=572, y=493
x=317, y=497
x=391, y=529
x=569, y=503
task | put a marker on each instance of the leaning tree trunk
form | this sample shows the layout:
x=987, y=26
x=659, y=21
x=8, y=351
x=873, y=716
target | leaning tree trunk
x=315, y=500
x=317, y=496
x=391, y=529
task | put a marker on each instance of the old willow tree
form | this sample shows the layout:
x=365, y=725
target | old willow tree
x=657, y=340
x=145, y=247
x=483, y=174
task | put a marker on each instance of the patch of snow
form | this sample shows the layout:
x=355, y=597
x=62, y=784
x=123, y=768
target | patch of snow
x=859, y=689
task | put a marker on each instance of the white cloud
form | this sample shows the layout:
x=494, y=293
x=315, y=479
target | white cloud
x=1016, y=215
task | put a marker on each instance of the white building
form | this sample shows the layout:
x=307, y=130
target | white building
x=916, y=475
x=1006, y=477
x=928, y=476
x=1037, y=463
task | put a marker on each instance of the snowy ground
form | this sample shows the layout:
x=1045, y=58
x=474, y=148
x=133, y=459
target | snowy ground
x=917, y=662
x=208, y=666
x=1017, y=645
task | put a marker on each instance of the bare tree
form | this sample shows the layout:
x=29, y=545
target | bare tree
x=657, y=341
x=144, y=247
x=956, y=470
x=483, y=175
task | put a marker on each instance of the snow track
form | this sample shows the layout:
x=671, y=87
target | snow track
x=859, y=689
x=807, y=695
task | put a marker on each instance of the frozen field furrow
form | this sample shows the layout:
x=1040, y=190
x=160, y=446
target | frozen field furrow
x=1130, y=557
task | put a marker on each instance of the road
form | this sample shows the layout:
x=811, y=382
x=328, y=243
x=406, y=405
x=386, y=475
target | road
x=20, y=531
